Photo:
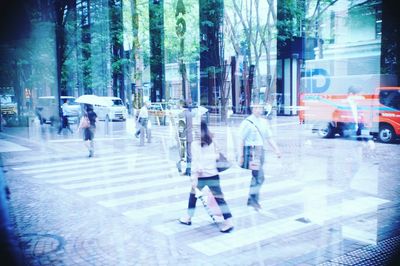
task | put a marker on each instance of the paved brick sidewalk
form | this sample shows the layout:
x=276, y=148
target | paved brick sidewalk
x=58, y=223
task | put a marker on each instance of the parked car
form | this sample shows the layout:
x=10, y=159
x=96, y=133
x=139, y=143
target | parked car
x=157, y=110
x=48, y=113
x=8, y=105
x=8, y=108
x=115, y=110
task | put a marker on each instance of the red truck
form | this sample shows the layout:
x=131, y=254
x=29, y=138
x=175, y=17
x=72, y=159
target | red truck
x=354, y=112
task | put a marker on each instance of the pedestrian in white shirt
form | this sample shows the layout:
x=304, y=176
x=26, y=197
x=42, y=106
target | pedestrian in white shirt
x=254, y=132
x=205, y=173
x=142, y=121
x=64, y=118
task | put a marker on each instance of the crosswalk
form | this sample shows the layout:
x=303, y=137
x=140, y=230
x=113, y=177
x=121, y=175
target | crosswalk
x=145, y=187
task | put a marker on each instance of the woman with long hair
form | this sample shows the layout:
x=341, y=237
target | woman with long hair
x=89, y=131
x=205, y=173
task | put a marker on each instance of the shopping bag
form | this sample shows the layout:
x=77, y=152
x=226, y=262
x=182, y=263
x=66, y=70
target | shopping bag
x=252, y=157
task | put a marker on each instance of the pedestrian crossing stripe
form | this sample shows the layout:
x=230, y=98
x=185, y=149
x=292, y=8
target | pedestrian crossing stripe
x=134, y=175
x=79, y=161
x=151, y=195
x=235, y=185
x=107, y=169
x=151, y=183
x=262, y=232
x=269, y=203
x=180, y=205
x=8, y=146
x=127, y=178
x=97, y=139
x=70, y=169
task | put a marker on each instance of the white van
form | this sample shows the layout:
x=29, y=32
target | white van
x=47, y=109
x=115, y=110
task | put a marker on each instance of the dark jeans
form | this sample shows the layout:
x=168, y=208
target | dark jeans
x=257, y=176
x=214, y=185
x=64, y=124
x=188, y=157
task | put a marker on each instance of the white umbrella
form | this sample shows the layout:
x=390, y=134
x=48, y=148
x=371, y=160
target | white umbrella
x=200, y=110
x=93, y=100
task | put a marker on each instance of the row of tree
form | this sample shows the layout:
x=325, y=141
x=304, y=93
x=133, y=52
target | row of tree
x=100, y=46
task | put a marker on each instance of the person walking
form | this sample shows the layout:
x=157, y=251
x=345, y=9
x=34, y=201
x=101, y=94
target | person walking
x=188, y=115
x=353, y=100
x=88, y=125
x=205, y=173
x=64, y=118
x=254, y=131
x=142, y=121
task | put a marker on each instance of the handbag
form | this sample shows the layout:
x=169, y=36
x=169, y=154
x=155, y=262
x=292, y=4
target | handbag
x=84, y=123
x=222, y=163
x=252, y=154
x=252, y=157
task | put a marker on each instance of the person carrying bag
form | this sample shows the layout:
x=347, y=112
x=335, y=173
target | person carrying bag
x=205, y=173
x=254, y=130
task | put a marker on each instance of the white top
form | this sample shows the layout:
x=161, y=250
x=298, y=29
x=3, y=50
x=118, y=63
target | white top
x=204, y=159
x=144, y=112
x=64, y=107
x=249, y=133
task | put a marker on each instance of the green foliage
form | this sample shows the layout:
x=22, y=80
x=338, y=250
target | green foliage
x=191, y=36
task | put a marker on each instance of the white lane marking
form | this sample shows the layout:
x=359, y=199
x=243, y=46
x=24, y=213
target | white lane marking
x=8, y=146
x=132, y=173
x=261, y=232
x=126, y=177
x=80, y=139
x=98, y=169
x=142, y=196
x=92, y=163
x=143, y=213
x=270, y=203
x=76, y=161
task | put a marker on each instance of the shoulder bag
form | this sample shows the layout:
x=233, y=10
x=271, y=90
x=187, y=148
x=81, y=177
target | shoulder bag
x=252, y=154
x=84, y=123
x=222, y=162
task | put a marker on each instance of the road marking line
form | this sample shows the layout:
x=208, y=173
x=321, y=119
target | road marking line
x=93, y=163
x=270, y=203
x=142, y=196
x=126, y=177
x=80, y=139
x=8, y=146
x=69, y=162
x=261, y=232
x=134, y=175
x=143, y=213
x=100, y=169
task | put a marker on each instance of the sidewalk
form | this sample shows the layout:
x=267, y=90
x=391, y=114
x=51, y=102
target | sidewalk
x=322, y=206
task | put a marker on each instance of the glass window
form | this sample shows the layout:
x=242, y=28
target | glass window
x=390, y=98
x=117, y=102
